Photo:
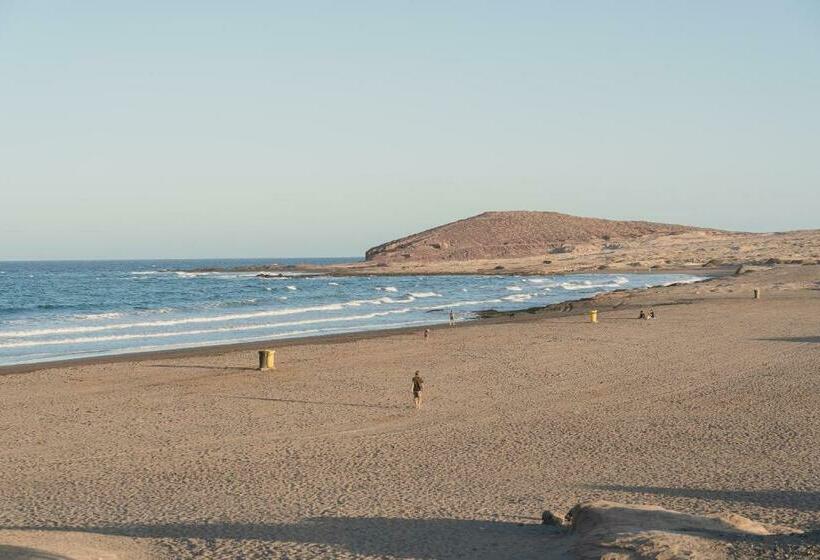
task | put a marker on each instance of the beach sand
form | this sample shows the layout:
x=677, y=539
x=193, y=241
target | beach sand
x=712, y=407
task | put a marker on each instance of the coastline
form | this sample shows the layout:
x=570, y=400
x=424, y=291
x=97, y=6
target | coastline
x=455, y=269
x=687, y=251
x=724, y=270
x=488, y=315
x=202, y=455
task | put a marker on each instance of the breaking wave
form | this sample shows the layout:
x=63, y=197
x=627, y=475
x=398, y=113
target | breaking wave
x=103, y=313
x=236, y=328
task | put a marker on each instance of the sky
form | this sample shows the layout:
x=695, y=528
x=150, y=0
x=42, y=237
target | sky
x=320, y=128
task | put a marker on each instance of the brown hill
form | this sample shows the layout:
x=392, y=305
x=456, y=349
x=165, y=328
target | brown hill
x=516, y=234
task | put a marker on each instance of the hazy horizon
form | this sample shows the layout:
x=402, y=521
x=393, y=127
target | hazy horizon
x=155, y=131
x=283, y=257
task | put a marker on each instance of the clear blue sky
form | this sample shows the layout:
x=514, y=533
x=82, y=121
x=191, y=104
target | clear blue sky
x=192, y=129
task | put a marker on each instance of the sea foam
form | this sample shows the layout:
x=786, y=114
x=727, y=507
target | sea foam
x=235, y=328
x=97, y=312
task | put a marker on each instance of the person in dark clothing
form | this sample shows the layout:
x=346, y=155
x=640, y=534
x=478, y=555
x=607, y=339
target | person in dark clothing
x=642, y=315
x=418, y=387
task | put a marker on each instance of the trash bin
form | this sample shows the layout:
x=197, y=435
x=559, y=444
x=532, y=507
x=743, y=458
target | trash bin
x=266, y=359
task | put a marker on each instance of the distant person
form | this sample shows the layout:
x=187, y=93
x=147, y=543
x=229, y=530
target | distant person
x=452, y=318
x=426, y=334
x=418, y=387
x=651, y=313
x=642, y=315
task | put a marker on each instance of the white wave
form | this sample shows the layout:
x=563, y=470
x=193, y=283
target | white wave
x=379, y=301
x=237, y=328
x=214, y=274
x=291, y=287
x=388, y=289
x=691, y=280
x=172, y=322
x=39, y=357
x=583, y=286
x=207, y=319
x=144, y=272
x=460, y=304
x=95, y=316
x=588, y=285
x=544, y=281
x=514, y=288
x=520, y=298
x=228, y=303
x=332, y=283
x=408, y=299
x=424, y=294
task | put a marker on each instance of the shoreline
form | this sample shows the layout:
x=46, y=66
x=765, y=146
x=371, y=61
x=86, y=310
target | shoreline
x=197, y=454
x=576, y=307
x=343, y=270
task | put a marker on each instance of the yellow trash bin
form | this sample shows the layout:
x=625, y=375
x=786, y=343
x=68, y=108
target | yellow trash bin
x=266, y=359
x=593, y=316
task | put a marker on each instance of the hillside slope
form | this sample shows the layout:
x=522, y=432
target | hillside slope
x=515, y=234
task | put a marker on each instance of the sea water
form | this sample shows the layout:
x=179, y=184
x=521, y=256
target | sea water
x=70, y=309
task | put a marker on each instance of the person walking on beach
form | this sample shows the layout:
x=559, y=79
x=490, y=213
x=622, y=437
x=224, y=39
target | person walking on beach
x=426, y=334
x=651, y=313
x=418, y=386
x=452, y=318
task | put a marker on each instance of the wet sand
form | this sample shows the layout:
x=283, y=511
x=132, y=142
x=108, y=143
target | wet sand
x=714, y=406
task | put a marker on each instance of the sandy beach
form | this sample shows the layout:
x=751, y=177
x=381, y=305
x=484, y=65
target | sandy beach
x=712, y=407
x=409, y=281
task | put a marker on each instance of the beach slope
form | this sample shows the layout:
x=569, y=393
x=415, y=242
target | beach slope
x=712, y=407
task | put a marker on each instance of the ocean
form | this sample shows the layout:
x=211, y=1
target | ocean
x=54, y=310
